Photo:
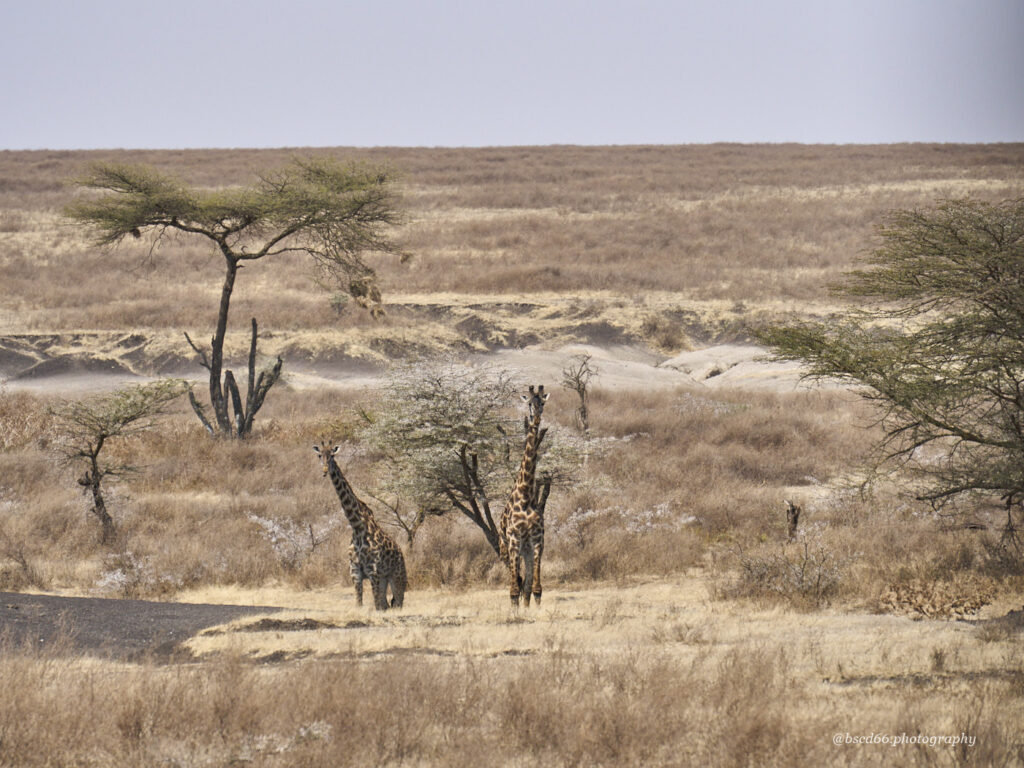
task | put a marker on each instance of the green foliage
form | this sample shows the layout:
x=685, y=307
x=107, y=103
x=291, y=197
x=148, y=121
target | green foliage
x=140, y=197
x=332, y=211
x=122, y=413
x=939, y=348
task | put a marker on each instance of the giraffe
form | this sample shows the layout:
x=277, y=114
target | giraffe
x=373, y=554
x=521, y=528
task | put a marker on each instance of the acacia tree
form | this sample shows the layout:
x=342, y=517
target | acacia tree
x=334, y=213
x=87, y=426
x=452, y=437
x=939, y=349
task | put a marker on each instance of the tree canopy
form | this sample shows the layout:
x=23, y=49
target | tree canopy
x=87, y=425
x=452, y=436
x=938, y=346
x=334, y=213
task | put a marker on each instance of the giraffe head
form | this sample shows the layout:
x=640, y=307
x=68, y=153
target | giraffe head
x=326, y=453
x=535, y=402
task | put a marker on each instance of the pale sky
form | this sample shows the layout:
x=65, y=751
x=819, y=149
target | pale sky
x=82, y=74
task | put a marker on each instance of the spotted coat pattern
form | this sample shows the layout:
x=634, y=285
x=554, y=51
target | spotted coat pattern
x=373, y=555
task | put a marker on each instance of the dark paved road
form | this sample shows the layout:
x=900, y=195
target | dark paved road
x=123, y=629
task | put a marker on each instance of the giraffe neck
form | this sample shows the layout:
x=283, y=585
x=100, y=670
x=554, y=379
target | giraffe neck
x=527, y=470
x=351, y=505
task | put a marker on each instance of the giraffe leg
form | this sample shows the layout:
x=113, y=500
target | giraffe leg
x=538, y=553
x=527, y=573
x=503, y=542
x=515, y=580
x=357, y=574
x=379, y=585
x=398, y=584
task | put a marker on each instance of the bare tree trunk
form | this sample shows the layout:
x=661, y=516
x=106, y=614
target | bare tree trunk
x=1009, y=538
x=583, y=414
x=474, y=503
x=217, y=400
x=472, y=500
x=91, y=480
x=258, y=385
x=577, y=378
x=223, y=386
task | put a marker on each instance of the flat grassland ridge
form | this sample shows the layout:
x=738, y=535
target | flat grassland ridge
x=682, y=625
x=672, y=246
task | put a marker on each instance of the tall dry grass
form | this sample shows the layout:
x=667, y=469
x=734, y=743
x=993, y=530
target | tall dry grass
x=748, y=705
x=676, y=480
x=683, y=480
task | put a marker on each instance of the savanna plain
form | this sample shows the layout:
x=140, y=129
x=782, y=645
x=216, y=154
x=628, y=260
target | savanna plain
x=681, y=624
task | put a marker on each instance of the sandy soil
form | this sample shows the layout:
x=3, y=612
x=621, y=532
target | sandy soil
x=631, y=367
x=620, y=367
x=677, y=615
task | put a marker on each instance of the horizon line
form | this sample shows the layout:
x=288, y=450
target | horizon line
x=552, y=145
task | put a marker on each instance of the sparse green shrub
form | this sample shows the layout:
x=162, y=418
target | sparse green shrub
x=936, y=344
x=85, y=426
x=339, y=301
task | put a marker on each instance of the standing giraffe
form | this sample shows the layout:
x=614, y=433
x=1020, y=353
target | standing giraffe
x=521, y=530
x=373, y=554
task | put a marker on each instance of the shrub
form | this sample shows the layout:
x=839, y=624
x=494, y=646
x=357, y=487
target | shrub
x=805, y=573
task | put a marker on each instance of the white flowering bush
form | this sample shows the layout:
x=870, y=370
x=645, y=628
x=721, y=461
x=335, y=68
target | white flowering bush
x=294, y=542
x=579, y=525
x=690, y=403
x=255, y=746
x=128, y=574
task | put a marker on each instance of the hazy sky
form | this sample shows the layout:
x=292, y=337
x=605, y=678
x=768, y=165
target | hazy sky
x=214, y=73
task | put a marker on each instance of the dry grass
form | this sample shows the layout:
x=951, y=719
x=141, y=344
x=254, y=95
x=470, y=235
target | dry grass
x=733, y=223
x=646, y=674
x=680, y=625
x=678, y=479
x=668, y=246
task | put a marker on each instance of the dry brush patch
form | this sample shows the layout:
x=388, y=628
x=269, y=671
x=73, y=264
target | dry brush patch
x=748, y=223
x=636, y=657
x=642, y=675
x=676, y=479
